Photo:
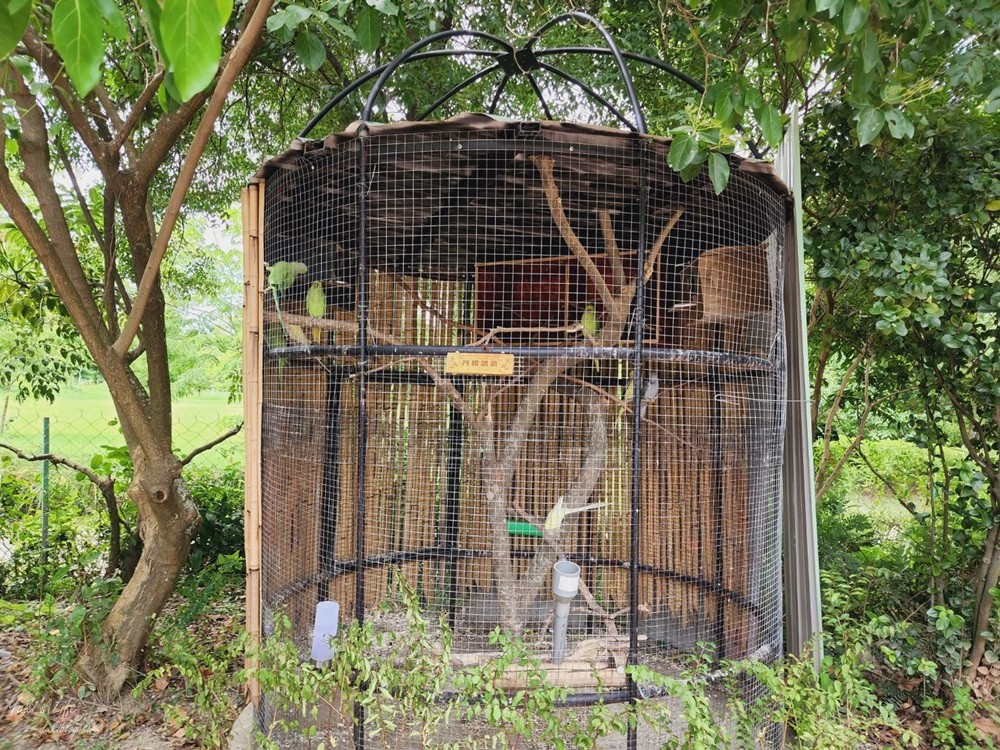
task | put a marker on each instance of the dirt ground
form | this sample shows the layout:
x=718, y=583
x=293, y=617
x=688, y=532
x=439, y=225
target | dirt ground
x=71, y=722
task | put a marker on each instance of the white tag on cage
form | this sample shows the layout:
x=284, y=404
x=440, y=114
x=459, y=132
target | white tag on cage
x=325, y=628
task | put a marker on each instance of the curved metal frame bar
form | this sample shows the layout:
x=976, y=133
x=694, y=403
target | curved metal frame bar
x=359, y=82
x=406, y=54
x=458, y=88
x=665, y=67
x=497, y=94
x=589, y=91
x=538, y=94
x=414, y=53
x=640, y=119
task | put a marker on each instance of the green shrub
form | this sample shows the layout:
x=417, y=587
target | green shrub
x=843, y=534
x=409, y=688
x=218, y=493
x=73, y=553
x=60, y=632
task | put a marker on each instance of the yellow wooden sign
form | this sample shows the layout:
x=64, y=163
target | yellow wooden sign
x=471, y=363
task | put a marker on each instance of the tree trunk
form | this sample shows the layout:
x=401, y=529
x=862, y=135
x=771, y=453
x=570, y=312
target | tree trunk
x=107, y=489
x=166, y=529
x=989, y=574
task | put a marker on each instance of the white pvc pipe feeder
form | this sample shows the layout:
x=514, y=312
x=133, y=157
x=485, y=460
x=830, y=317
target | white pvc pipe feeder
x=565, y=584
x=325, y=628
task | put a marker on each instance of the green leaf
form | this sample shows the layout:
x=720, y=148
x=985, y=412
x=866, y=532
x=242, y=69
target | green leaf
x=342, y=28
x=76, y=26
x=14, y=16
x=724, y=109
x=797, y=45
x=310, y=50
x=225, y=11
x=869, y=51
x=192, y=43
x=386, y=7
x=993, y=205
x=718, y=171
x=993, y=101
x=683, y=151
x=855, y=16
x=113, y=19
x=369, y=29
x=291, y=17
x=171, y=94
x=830, y=6
x=893, y=93
x=899, y=124
x=770, y=124
x=690, y=171
x=870, y=122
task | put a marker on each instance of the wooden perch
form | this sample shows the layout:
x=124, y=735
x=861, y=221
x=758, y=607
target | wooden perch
x=349, y=326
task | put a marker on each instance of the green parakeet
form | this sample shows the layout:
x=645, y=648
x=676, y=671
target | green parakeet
x=283, y=274
x=280, y=277
x=316, y=307
x=559, y=512
x=591, y=327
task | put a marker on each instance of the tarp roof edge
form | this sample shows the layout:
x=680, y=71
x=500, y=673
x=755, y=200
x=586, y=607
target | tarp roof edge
x=476, y=122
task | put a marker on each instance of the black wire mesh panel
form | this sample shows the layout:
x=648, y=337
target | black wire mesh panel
x=492, y=346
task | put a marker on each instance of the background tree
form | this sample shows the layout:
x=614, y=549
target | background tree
x=120, y=110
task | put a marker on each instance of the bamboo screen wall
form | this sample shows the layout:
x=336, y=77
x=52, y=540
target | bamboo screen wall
x=493, y=319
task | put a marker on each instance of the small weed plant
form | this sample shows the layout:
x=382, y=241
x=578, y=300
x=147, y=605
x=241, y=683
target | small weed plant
x=407, y=690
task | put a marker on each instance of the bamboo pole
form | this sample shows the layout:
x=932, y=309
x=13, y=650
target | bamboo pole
x=252, y=214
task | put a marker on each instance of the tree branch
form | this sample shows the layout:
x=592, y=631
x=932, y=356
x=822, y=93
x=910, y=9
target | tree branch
x=238, y=58
x=351, y=327
x=211, y=444
x=544, y=166
x=80, y=198
x=54, y=245
x=611, y=243
x=57, y=460
x=55, y=71
x=824, y=461
x=132, y=120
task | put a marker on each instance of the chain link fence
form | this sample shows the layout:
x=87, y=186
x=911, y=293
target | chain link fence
x=54, y=518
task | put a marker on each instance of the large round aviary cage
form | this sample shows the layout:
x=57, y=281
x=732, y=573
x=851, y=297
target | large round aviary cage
x=488, y=346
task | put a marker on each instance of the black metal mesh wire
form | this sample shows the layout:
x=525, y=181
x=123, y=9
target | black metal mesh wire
x=466, y=244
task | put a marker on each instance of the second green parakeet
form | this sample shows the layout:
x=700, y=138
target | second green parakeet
x=591, y=327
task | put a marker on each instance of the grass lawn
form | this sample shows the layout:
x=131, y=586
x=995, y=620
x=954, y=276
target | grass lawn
x=82, y=419
x=886, y=513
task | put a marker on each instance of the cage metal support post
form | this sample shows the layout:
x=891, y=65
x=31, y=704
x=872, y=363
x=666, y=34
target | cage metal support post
x=456, y=434
x=253, y=216
x=331, y=479
x=362, y=312
x=45, y=499
x=718, y=487
x=637, y=394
